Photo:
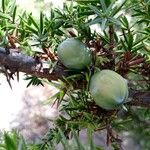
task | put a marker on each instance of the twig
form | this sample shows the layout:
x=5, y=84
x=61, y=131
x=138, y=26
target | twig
x=140, y=98
x=19, y=62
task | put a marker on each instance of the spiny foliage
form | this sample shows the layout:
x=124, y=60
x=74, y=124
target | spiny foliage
x=119, y=41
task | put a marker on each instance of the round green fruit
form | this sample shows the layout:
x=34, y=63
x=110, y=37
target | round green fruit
x=74, y=54
x=108, y=89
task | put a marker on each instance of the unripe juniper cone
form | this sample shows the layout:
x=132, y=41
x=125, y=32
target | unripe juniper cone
x=74, y=54
x=108, y=89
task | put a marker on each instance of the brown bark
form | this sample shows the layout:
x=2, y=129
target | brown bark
x=140, y=98
x=18, y=62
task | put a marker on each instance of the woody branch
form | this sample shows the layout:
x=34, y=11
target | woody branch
x=18, y=62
